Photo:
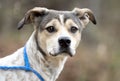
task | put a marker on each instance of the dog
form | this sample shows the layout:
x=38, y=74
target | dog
x=55, y=37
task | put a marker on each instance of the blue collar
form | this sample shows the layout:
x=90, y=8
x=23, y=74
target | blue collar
x=26, y=67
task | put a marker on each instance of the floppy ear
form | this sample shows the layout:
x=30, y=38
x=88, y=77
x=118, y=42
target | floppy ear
x=85, y=15
x=31, y=15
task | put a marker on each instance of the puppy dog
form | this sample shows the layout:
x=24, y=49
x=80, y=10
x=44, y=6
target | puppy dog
x=56, y=36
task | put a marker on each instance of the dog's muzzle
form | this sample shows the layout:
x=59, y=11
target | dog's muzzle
x=64, y=44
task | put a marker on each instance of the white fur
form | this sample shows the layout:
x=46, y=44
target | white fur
x=52, y=44
x=49, y=69
x=61, y=17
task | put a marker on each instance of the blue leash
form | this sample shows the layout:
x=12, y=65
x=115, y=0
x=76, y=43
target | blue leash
x=26, y=67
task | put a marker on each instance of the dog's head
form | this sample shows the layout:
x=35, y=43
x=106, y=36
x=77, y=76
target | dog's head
x=58, y=32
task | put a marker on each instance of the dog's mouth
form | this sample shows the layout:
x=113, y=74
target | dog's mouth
x=65, y=51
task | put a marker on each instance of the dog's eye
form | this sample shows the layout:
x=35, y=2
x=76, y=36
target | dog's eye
x=73, y=29
x=51, y=29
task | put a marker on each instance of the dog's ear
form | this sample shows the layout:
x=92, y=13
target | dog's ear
x=85, y=15
x=31, y=15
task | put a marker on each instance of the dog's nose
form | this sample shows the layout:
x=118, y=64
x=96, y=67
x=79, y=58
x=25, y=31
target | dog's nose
x=64, y=42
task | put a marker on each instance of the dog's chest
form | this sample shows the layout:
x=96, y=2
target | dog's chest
x=53, y=68
x=17, y=75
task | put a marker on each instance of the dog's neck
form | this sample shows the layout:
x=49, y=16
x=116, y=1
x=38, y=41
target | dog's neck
x=48, y=66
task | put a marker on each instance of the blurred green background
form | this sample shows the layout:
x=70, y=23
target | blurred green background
x=98, y=55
